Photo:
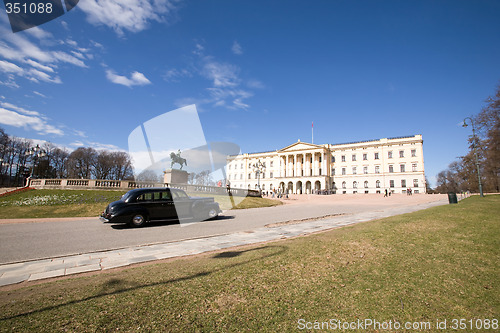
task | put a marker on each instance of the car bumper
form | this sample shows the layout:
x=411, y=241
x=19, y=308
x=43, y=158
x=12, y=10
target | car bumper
x=103, y=219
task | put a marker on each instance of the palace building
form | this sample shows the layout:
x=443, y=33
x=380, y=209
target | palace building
x=395, y=164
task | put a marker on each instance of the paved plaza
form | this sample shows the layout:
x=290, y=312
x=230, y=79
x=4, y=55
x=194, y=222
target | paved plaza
x=311, y=220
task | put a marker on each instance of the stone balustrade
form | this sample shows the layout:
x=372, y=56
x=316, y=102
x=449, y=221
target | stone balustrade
x=103, y=184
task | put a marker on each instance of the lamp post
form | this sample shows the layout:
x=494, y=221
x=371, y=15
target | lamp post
x=35, y=153
x=258, y=168
x=475, y=154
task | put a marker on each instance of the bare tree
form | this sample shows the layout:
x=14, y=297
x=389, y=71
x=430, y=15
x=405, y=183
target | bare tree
x=103, y=165
x=81, y=163
x=59, y=162
x=122, y=166
x=204, y=178
x=147, y=176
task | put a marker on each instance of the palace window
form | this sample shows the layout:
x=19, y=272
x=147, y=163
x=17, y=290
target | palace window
x=333, y=159
x=354, y=184
x=333, y=171
x=377, y=184
x=403, y=182
x=354, y=171
x=365, y=157
x=342, y=158
x=415, y=182
x=389, y=154
x=391, y=168
x=391, y=183
x=413, y=153
x=365, y=170
x=249, y=176
x=354, y=157
x=376, y=156
x=414, y=167
x=366, y=184
x=271, y=174
x=343, y=171
x=377, y=169
x=271, y=164
x=401, y=153
x=402, y=167
x=343, y=184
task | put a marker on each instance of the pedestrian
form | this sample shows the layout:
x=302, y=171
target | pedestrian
x=385, y=195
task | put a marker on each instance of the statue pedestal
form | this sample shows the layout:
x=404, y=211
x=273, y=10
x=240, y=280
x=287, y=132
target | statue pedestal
x=174, y=176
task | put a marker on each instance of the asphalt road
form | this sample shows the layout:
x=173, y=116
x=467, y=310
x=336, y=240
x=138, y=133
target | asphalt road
x=48, y=239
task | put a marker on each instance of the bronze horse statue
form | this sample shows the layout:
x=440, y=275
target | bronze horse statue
x=176, y=158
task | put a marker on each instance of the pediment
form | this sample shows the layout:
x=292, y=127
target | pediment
x=297, y=146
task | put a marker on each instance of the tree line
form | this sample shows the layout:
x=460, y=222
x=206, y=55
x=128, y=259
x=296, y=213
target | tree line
x=21, y=158
x=462, y=175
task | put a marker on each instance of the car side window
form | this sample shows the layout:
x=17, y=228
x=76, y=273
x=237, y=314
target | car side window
x=145, y=197
x=179, y=195
x=166, y=196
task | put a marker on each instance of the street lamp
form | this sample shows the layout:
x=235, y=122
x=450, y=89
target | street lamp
x=35, y=153
x=475, y=154
x=258, y=168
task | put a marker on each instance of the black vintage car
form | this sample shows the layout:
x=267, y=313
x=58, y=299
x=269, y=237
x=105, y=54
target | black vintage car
x=136, y=207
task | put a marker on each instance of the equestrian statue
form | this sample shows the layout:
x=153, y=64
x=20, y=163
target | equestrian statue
x=176, y=158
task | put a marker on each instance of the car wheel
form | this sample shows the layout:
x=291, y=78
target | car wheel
x=212, y=213
x=138, y=220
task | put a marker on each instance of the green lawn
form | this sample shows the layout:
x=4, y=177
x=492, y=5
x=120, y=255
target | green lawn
x=82, y=203
x=437, y=264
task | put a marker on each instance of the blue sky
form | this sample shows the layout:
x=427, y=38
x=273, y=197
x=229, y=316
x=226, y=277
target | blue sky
x=259, y=72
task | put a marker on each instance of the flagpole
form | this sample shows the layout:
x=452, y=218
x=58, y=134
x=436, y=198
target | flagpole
x=312, y=132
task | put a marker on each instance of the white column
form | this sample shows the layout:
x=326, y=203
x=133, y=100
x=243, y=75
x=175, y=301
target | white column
x=295, y=165
x=323, y=164
x=303, y=165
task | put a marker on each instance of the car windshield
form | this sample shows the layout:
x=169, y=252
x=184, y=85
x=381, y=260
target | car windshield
x=126, y=196
x=179, y=194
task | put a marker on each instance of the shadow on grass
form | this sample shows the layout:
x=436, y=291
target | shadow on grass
x=118, y=284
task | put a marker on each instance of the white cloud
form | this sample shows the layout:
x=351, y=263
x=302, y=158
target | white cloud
x=236, y=48
x=225, y=90
x=128, y=15
x=136, y=79
x=173, y=75
x=222, y=75
x=32, y=74
x=95, y=145
x=12, y=118
x=10, y=82
x=9, y=67
x=19, y=109
x=39, y=66
x=34, y=55
x=36, y=76
x=255, y=84
x=39, y=94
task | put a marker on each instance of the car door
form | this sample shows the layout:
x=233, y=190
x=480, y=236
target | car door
x=157, y=208
x=166, y=208
x=182, y=204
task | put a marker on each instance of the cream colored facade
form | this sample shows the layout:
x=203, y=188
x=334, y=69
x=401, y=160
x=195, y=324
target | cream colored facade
x=395, y=164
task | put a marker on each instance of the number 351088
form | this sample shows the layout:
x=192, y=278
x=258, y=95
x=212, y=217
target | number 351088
x=32, y=8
